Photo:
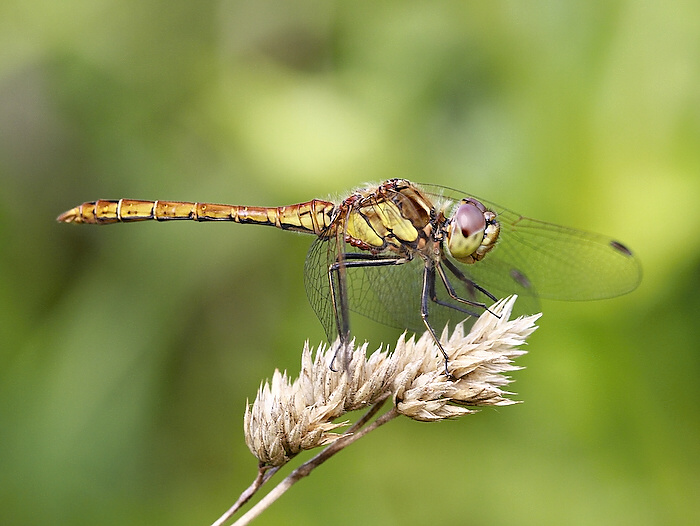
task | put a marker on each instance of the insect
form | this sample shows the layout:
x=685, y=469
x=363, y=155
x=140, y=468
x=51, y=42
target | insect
x=414, y=256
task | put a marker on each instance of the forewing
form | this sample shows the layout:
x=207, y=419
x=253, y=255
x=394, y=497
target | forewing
x=564, y=263
x=550, y=261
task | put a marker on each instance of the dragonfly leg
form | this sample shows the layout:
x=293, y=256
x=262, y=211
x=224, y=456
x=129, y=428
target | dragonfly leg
x=453, y=294
x=338, y=287
x=468, y=282
x=428, y=294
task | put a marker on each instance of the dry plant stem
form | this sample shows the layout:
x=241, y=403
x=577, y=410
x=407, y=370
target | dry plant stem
x=367, y=416
x=306, y=468
x=266, y=473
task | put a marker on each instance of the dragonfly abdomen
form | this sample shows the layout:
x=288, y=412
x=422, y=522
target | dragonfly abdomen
x=312, y=217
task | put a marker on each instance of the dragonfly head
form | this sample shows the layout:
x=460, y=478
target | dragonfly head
x=471, y=231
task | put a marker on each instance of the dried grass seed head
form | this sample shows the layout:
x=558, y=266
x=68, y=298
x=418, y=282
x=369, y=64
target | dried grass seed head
x=288, y=417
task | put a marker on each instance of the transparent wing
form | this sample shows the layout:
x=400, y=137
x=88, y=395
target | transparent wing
x=321, y=255
x=532, y=259
x=390, y=295
x=548, y=260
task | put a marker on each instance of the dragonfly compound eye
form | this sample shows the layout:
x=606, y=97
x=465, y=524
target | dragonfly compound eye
x=466, y=231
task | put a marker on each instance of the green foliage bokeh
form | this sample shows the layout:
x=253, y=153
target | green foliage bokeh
x=127, y=353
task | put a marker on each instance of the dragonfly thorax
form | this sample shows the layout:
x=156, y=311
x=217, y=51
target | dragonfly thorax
x=472, y=231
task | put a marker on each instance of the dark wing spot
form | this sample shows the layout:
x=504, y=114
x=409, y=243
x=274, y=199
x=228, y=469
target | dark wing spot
x=520, y=278
x=616, y=245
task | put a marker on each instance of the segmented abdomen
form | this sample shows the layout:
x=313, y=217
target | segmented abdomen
x=311, y=217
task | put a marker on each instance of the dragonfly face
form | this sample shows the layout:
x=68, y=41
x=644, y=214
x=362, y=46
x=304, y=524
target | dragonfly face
x=472, y=232
x=414, y=256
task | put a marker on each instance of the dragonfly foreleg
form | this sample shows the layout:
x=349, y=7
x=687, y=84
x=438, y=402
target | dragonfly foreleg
x=336, y=277
x=453, y=294
x=468, y=282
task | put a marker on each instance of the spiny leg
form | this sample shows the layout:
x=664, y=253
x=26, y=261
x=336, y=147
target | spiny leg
x=453, y=294
x=468, y=282
x=336, y=277
x=428, y=294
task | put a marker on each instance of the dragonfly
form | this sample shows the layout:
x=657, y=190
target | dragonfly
x=414, y=256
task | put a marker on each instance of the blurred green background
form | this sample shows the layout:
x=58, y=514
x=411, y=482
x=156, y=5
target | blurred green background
x=127, y=353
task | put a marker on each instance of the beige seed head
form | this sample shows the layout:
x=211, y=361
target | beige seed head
x=288, y=417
